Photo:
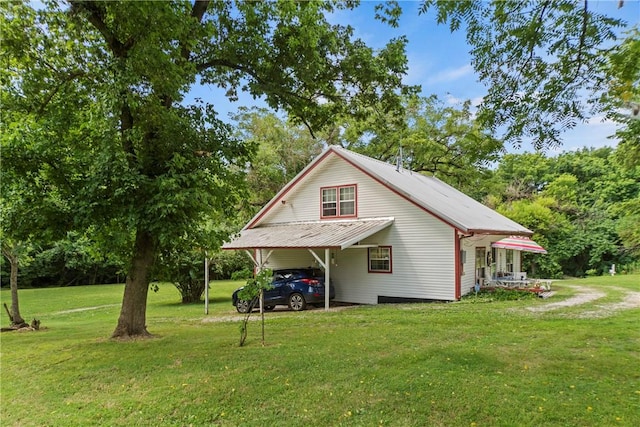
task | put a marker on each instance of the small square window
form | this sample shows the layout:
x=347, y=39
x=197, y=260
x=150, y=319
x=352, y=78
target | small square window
x=380, y=259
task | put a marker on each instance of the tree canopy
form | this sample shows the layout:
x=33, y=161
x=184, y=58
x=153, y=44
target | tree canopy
x=431, y=138
x=547, y=65
x=95, y=99
x=583, y=207
x=101, y=148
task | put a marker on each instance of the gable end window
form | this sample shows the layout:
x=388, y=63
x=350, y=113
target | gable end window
x=380, y=259
x=338, y=202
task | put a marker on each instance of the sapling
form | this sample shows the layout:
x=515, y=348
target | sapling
x=253, y=292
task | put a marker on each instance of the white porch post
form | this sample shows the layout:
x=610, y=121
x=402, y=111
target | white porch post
x=263, y=261
x=255, y=263
x=327, y=284
x=206, y=283
x=261, y=296
x=259, y=263
x=326, y=264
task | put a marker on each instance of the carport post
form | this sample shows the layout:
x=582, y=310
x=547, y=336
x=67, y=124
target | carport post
x=261, y=297
x=206, y=283
x=327, y=285
x=327, y=266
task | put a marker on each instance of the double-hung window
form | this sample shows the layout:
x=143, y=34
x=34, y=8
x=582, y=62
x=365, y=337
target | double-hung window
x=380, y=259
x=509, y=258
x=339, y=201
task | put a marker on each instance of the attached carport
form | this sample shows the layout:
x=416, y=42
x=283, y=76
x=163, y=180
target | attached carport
x=311, y=235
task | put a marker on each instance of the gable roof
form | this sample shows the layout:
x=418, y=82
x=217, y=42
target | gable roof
x=427, y=192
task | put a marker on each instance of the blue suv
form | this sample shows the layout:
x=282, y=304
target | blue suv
x=295, y=287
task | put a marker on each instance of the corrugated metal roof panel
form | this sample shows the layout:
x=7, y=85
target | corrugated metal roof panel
x=435, y=196
x=312, y=234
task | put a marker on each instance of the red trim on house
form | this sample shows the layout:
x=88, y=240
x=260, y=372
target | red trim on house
x=338, y=214
x=331, y=150
x=390, y=262
x=501, y=232
x=397, y=192
x=458, y=279
x=286, y=189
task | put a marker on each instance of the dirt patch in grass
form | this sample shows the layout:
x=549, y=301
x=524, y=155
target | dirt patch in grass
x=280, y=310
x=77, y=310
x=630, y=301
x=586, y=295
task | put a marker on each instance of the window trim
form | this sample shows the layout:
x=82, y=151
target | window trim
x=390, y=271
x=338, y=214
x=509, y=260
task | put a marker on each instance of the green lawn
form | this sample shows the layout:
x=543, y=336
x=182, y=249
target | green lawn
x=471, y=363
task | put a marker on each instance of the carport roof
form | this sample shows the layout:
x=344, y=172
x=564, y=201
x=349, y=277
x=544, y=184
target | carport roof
x=310, y=234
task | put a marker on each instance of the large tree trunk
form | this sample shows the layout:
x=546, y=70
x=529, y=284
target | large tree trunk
x=9, y=253
x=13, y=281
x=132, y=321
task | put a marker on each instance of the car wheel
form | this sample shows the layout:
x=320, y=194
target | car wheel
x=297, y=302
x=242, y=306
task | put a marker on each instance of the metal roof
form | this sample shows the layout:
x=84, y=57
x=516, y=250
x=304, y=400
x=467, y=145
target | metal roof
x=312, y=234
x=435, y=196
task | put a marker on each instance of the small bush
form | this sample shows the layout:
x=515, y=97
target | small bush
x=191, y=289
x=500, y=294
x=243, y=274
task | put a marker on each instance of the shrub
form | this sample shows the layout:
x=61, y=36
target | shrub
x=243, y=274
x=500, y=294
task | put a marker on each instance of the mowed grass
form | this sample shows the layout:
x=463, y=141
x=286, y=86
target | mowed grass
x=469, y=363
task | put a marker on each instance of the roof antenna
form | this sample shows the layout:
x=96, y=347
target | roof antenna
x=399, y=160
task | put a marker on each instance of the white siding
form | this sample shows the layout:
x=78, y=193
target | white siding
x=468, y=278
x=302, y=203
x=423, y=261
x=292, y=258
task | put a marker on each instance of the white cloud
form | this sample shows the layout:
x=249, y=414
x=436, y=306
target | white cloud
x=597, y=132
x=417, y=72
x=450, y=75
x=475, y=102
x=599, y=121
x=452, y=100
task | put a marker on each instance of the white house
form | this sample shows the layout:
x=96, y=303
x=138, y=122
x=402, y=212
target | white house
x=382, y=233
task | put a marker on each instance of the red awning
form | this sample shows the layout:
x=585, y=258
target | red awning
x=519, y=243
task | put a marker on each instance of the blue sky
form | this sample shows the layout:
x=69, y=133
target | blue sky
x=440, y=63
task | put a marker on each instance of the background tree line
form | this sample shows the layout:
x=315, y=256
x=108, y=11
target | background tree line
x=584, y=206
x=109, y=170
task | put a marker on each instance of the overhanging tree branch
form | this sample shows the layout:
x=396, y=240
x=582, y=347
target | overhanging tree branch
x=199, y=9
x=66, y=79
x=583, y=35
x=96, y=16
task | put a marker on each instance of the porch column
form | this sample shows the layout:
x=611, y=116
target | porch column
x=327, y=284
x=326, y=264
x=206, y=283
